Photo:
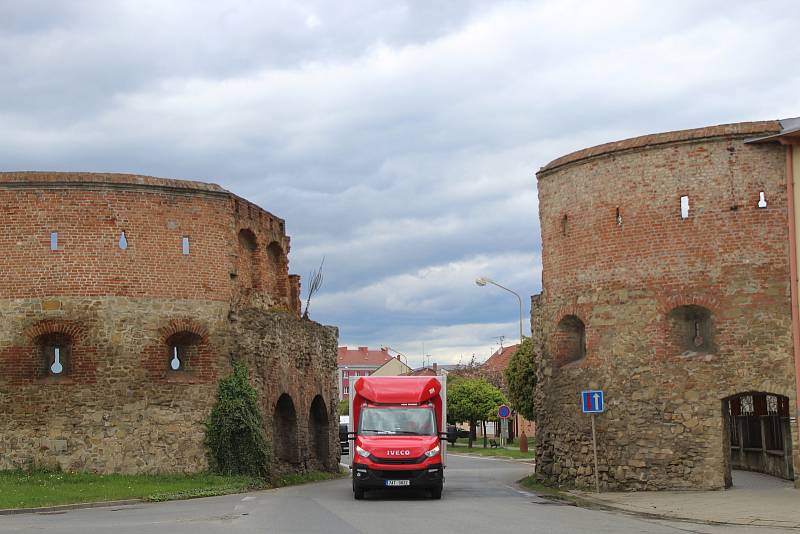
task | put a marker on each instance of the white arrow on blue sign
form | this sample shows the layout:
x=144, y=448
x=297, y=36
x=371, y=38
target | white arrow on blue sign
x=592, y=401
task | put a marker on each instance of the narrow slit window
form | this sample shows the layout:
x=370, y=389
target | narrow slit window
x=185, y=246
x=175, y=363
x=685, y=207
x=762, y=201
x=619, y=218
x=53, y=240
x=123, y=241
x=564, y=224
x=57, y=367
x=55, y=352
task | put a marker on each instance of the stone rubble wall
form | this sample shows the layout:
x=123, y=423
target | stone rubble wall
x=127, y=420
x=122, y=421
x=298, y=359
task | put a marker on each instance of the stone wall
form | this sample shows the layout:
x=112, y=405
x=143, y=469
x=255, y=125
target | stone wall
x=295, y=364
x=118, y=313
x=621, y=263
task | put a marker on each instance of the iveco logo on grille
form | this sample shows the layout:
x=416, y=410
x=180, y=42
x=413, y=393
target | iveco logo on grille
x=398, y=453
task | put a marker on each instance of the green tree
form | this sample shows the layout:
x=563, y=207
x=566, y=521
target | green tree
x=470, y=400
x=234, y=430
x=344, y=407
x=521, y=379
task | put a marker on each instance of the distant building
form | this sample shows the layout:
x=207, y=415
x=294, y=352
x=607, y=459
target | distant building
x=498, y=361
x=393, y=367
x=358, y=362
x=432, y=370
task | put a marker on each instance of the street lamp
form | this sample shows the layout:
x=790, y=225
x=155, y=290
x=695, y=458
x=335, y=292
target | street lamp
x=482, y=281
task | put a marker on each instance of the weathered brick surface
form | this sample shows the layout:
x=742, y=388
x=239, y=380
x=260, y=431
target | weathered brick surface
x=664, y=424
x=119, y=408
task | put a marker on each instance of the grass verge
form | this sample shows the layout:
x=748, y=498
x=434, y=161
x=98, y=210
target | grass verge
x=477, y=449
x=33, y=489
x=547, y=492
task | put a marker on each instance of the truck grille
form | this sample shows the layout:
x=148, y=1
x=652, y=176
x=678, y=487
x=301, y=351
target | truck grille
x=397, y=461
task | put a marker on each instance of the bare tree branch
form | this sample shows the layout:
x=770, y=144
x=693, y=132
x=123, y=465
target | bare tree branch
x=315, y=278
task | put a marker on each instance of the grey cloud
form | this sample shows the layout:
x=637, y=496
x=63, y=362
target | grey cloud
x=396, y=139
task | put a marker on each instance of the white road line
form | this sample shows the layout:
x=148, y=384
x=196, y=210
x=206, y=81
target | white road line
x=527, y=494
x=249, y=499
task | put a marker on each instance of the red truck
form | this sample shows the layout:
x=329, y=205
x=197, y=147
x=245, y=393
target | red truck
x=398, y=429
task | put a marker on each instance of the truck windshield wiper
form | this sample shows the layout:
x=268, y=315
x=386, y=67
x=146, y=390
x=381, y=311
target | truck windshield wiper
x=378, y=431
x=407, y=432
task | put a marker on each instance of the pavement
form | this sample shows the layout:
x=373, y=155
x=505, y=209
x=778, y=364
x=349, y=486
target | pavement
x=754, y=500
x=480, y=495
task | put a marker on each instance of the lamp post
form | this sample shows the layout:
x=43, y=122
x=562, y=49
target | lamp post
x=482, y=281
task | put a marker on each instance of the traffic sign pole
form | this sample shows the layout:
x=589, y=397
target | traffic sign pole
x=504, y=412
x=594, y=447
x=593, y=402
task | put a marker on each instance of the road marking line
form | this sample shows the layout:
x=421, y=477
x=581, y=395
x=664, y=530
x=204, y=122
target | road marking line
x=249, y=499
x=527, y=494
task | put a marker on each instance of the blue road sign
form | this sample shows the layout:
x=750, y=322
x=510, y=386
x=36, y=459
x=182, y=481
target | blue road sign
x=592, y=401
x=504, y=411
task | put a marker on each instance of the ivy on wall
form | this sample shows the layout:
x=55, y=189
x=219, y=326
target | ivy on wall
x=234, y=431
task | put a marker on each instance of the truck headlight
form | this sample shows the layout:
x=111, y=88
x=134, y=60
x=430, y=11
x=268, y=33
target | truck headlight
x=433, y=452
x=364, y=454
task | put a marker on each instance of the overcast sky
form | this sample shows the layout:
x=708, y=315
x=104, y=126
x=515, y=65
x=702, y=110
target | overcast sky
x=399, y=140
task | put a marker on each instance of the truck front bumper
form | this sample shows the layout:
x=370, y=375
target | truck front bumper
x=368, y=478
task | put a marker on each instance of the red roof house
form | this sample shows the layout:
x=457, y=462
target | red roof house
x=498, y=361
x=361, y=361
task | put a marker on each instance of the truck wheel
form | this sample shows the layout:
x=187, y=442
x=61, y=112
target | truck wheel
x=436, y=492
x=358, y=493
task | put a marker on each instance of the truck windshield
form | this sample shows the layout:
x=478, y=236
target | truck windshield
x=393, y=421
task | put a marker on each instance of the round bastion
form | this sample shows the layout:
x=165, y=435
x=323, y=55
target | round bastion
x=666, y=285
x=124, y=299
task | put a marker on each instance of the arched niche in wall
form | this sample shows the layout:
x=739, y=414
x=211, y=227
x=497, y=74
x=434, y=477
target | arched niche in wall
x=247, y=268
x=319, y=430
x=284, y=430
x=276, y=259
x=570, y=340
x=691, y=330
x=55, y=353
x=182, y=351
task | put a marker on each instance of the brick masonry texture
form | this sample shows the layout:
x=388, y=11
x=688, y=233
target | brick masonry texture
x=621, y=276
x=119, y=407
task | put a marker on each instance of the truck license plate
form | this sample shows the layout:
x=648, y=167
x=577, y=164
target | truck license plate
x=398, y=482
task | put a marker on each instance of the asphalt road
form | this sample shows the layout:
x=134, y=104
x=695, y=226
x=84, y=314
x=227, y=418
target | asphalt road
x=480, y=496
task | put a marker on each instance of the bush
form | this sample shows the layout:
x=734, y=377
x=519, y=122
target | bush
x=234, y=430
